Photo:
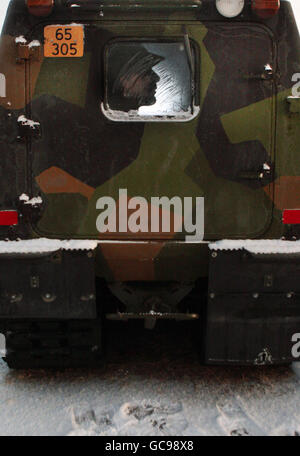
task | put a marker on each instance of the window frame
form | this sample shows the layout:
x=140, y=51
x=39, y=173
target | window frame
x=154, y=118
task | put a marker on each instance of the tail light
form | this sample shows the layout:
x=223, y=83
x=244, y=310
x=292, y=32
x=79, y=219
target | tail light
x=40, y=7
x=265, y=8
x=291, y=217
x=8, y=218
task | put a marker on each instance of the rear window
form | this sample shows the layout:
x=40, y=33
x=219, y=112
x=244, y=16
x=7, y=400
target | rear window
x=147, y=81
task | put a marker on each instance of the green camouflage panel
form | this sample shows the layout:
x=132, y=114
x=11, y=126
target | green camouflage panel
x=241, y=152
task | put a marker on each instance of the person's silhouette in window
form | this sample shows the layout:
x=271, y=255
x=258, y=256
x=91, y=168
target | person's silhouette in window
x=132, y=83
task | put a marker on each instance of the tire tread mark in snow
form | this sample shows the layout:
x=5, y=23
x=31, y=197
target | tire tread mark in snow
x=131, y=418
x=234, y=419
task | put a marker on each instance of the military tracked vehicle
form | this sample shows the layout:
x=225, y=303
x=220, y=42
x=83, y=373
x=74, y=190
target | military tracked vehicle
x=150, y=169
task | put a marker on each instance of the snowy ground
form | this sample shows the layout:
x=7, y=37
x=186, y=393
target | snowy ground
x=152, y=386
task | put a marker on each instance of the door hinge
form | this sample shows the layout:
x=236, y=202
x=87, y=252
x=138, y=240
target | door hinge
x=266, y=173
x=28, y=128
x=267, y=74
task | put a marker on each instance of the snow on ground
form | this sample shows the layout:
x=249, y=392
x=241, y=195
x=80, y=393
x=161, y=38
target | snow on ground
x=151, y=388
x=153, y=385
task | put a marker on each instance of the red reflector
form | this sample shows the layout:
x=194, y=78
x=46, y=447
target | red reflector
x=8, y=218
x=40, y=7
x=265, y=8
x=291, y=216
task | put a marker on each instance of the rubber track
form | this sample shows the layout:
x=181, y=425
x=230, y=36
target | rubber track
x=52, y=344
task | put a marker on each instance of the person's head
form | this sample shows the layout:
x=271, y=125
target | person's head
x=132, y=82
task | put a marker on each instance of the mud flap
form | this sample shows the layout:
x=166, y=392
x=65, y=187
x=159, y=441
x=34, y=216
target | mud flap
x=253, y=307
x=59, y=285
x=48, y=312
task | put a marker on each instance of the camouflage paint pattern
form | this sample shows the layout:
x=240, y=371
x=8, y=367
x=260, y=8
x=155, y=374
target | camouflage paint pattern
x=78, y=155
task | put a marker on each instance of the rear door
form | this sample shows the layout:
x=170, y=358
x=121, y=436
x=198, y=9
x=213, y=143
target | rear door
x=202, y=128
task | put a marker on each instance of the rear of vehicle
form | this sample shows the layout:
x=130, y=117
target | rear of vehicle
x=153, y=145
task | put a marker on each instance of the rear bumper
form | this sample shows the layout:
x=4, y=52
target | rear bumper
x=253, y=307
x=251, y=316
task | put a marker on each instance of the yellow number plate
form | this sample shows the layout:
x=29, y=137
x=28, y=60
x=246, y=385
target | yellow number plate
x=64, y=41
